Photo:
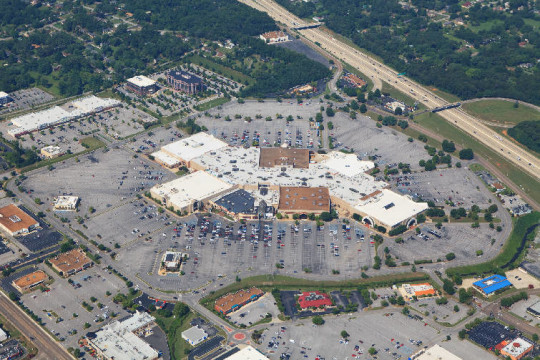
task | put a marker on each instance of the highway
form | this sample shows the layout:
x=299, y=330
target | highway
x=48, y=348
x=377, y=71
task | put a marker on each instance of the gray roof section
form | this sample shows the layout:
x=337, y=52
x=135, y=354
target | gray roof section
x=238, y=202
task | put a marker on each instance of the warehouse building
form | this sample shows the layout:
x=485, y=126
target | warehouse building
x=534, y=309
x=194, y=335
x=65, y=203
x=182, y=152
x=191, y=192
x=71, y=262
x=58, y=115
x=303, y=200
x=51, y=152
x=15, y=221
x=389, y=209
x=141, y=85
x=284, y=157
x=122, y=339
x=234, y=301
x=491, y=284
x=183, y=81
x=28, y=282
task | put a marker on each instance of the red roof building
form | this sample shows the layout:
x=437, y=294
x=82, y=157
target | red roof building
x=314, y=299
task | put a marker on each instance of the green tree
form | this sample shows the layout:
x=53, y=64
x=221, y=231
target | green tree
x=317, y=320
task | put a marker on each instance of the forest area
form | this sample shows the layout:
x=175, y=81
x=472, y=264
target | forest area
x=494, y=53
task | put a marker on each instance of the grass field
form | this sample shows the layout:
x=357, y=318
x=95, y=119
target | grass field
x=212, y=103
x=173, y=328
x=510, y=248
x=500, y=111
x=220, y=69
x=440, y=126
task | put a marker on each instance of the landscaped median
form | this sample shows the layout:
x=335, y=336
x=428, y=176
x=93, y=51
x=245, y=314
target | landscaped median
x=511, y=254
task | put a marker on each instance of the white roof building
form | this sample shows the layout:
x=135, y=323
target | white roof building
x=3, y=94
x=346, y=164
x=3, y=335
x=194, y=335
x=247, y=353
x=117, y=340
x=51, y=151
x=66, y=202
x=517, y=348
x=390, y=208
x=165, y=159
x=59, y=114
x=435, y=352
x=141, y=81
x=181, y=193
x=194, y=146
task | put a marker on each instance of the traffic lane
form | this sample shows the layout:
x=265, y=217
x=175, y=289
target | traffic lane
x=46, y=345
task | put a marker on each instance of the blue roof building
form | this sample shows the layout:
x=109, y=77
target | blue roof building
x=491, y=284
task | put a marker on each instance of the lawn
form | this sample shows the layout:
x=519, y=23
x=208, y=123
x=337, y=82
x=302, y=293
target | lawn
x=511, y=247
x=174, y=327
x=212, y=103
x=502, y=112
x=440, y=126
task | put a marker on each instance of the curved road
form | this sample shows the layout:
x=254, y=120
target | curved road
x=376, y=70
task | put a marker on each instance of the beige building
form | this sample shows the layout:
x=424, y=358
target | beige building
x=66, y=203
x=50, y=152
x=30, y=281
x=71, y=262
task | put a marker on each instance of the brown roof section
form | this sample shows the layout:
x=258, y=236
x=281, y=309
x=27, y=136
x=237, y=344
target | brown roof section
x=14, y=219
x=272, y=157
x=373, y=194
x=273, y=34
x=304, y=198
x=30, y=279
x=71, y=260
x=226, y=302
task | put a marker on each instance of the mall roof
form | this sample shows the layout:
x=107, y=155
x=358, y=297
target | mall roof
x=231, y=300
x=165, y=159
x=15, y=219
x=71, y=260
x=238, y=202
x=271, y=157
x=141, y=81
x=33, y=278
x=492, y=283
x=194, y=146
x=117, y=340
x=346, y=164
x=436, y=352
x=389, y=207
x=304, y=198
x=198, y=186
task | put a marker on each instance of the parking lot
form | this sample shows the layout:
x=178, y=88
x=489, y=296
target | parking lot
x=520, y=309
x=392, y=334
x=101, y=180
x=26, y=99
x=460, y=239
x=255, y=311
x=218, y=248
x=64, y=301
x=460, y=186
x=441, y=313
